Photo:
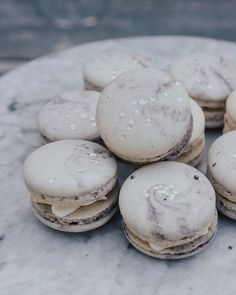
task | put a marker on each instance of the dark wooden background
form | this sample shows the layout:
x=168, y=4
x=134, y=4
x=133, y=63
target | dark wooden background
x=31, y=28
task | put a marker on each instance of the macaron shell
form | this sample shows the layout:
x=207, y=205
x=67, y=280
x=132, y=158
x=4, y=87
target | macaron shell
x=231, y=106
x=205, y=77
x=69, y=116
x=70, y=168
x=169, y=198
x=222, y=161
x=198, y=122
x=229, y=123
x=100, y=69
x=144, y=108
x=194, y=153
x=177, y=252
x=84, y=219
x=226, y=207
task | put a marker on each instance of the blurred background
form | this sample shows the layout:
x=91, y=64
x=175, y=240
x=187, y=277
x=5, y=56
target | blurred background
x=31, y=28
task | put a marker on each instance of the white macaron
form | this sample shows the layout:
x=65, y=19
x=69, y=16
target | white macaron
x=69, y=115
x=208, y=79
x=144, y=116
x=72, y=184
x=168, y=210
x=101, y=68
x=222, y=172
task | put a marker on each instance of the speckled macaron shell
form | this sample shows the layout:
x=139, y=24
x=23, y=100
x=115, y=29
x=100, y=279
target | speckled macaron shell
x=101, y=68
x=222, y=168
x=70, y=172
x=144, y=115
x=208, y=79
x=230, y=116
x=169, y=204
x=222, y=161
x=69, y=116
x=192, y=154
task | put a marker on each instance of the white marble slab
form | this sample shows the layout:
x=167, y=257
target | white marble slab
x=37, y=260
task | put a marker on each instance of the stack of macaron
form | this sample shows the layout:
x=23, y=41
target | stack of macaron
x=209, y=79
x=150, y=118
x=72, y=180
x=222, y=172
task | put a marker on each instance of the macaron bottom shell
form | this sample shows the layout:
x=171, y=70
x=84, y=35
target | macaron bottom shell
x=92, y=216
x=194, y=153
x=224, y=199
x=174, y=253
x=90, y=86
x=225, y=206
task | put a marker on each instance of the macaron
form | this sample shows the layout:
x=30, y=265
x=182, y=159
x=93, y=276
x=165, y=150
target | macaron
x=144, y=115
x=101, y=68
x=69, y=115
x=222, y=172
x=72, y=184
x=168, y=210
x=208, y=79
x=193, y=153
x=230, y=116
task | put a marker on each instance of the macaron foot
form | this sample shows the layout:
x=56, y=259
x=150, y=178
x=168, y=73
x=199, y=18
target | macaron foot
x=194, y=154
x=225, y=206
x=177, y=252
x=84, y=219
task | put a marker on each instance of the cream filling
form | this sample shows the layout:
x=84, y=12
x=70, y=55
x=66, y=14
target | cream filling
x=161, y=245
x=63, y=211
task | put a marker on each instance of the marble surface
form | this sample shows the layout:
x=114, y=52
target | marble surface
x=37, y=260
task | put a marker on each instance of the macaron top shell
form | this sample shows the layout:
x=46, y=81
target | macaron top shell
x=198, y=121
x=231, y=105
x=69, y=116
x=167, y=201
x=69, y=168
x=101, y=68
x=205, y=77
x=143, y=114
x=222, y=161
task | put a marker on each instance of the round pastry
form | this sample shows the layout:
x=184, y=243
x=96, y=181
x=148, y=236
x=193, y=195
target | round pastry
x=69, y=116
x=222, y=172
x=72, y=184
x=230, y=116
x=208, y=79
x=144, y=116
x=168, y=210
x=100, y=69
x=194, y=151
